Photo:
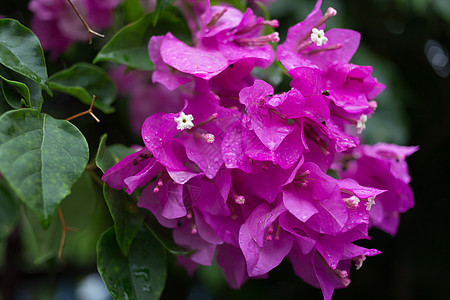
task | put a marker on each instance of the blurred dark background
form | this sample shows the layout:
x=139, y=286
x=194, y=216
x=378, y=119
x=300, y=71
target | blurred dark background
x=407, y=42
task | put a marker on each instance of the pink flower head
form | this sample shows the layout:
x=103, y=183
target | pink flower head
x=313, y=269
x=226, y=37
x=200, y=61
x=383, y=166
x=245, y=40
x=307, y=44
x=322, y=258
x=204, y=124
x=164, y=73
x=232, y=261
x=270, y=128
x=262, y=241
x=315, y=199
x=243, y=170
x=217, y=19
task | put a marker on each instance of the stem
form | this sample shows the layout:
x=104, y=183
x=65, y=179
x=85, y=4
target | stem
x=86, y=25
x=63, y=234
x=89, y=111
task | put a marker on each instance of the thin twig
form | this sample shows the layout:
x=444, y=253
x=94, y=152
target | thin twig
x=89, y=111
x=63, y=234
x=86, y=25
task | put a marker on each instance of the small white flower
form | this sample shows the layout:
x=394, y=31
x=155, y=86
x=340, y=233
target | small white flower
x=359, y=261
x=352, y=201
x=208, y=137
x=240, y=200
x=184, y=121
x=370, y=202
x=318, y=37
x=361, y=125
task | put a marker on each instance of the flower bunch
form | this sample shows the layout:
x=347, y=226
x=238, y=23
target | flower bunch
x=242, y=171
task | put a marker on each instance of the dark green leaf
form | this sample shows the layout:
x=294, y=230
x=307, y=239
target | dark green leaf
x=104, y=158
x=19, y=87
x=41, y=158
x=21, y=52
x=4, y=107
x=109, y=156
x=83, y=81
x=9, y=211
x=126, y=215
x=15, y=93
x=40, y=245
x=81, y=211
x=333, y=173
x=167, y=242
x=160, y=6
x=129, y=46
x=141, y=275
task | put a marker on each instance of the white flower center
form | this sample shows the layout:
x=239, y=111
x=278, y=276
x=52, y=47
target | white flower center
x=318, y=37
x=184, y=121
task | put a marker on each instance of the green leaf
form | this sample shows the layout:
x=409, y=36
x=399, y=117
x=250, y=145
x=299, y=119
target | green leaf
x=85, y=210
x=129, y=46
x=264, y=10
x=79, y=210
x=133, y=9
x=39, y=244
x=141, y=275
x=41, y=158
x=239, y=4
x=4, y=107
x=105, y=159
x=21, y=52
x=17, y=87
x=160, y=6
x=109, y=156
x=9, y=211
x=15, y=93
x=126, y=216
x=333, y=173
x=120, y=151
x=84, y=80
x=267, y=29
x=167, y=242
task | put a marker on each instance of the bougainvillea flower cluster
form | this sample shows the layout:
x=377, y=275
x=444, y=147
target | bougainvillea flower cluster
x=243, y=172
